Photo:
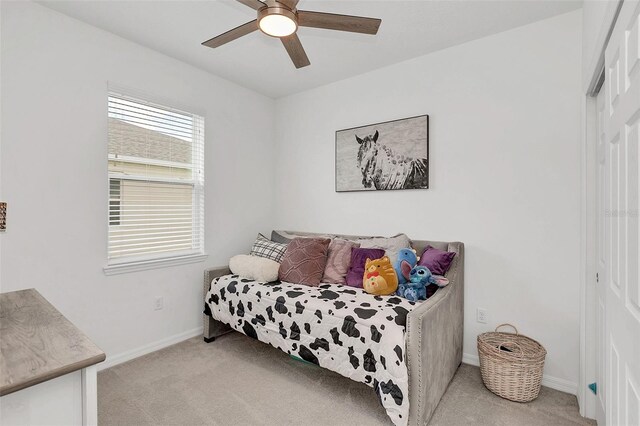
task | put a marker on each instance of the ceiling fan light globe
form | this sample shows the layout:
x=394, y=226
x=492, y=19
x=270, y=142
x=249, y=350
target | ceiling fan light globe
x=277, y=25
x=277, y=22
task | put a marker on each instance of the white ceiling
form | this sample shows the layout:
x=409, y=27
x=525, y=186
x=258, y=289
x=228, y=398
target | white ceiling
x=409, y=29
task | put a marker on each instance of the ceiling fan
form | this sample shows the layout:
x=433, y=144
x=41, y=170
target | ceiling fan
x=280, y=18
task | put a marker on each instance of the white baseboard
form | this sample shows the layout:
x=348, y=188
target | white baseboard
x=113, y=360
x=548, y=381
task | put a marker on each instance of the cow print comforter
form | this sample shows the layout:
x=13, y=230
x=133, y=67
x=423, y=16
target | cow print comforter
x=341, y=328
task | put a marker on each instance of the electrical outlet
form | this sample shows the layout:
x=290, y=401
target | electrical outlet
x=482, y=315
x=159, y=303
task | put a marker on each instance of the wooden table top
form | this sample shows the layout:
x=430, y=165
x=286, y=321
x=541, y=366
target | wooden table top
x=37, y=343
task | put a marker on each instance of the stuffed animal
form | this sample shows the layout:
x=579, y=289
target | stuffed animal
x=379, y=277
x=420, y=278
x=407, y=259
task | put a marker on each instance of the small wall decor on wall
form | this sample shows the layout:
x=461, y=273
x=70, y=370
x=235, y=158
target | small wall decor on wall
x=3, y=217
x=384, y=156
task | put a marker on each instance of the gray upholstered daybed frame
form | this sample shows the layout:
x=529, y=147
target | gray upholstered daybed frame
x=433, y=334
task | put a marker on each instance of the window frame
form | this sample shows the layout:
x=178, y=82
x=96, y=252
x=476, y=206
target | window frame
x=130, y=263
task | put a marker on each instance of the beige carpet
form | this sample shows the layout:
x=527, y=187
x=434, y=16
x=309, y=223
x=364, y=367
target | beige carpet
x=240, y=381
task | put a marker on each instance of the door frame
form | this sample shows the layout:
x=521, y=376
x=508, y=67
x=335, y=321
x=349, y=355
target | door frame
x=588, y=257
x=593, y=77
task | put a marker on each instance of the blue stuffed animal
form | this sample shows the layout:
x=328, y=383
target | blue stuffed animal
x=407, y=259
x=420, y=278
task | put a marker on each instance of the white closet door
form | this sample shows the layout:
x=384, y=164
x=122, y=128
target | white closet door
x=621, y=285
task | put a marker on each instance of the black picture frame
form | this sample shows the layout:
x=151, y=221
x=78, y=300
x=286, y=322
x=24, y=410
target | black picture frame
x=400, y=138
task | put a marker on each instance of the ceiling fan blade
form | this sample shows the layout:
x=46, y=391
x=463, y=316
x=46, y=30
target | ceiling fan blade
x=291, y=4
x=253, y=4
x=231, y=35
x=331, y=21
x=295, y=50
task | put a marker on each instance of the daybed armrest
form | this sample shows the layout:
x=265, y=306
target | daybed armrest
x=213, y=328
x=211, y=273
x=434, y=342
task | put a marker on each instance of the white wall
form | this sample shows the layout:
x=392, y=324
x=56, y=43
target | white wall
x=505, y=173
x=54, y=174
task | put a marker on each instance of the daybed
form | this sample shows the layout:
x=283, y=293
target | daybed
x=429, y=333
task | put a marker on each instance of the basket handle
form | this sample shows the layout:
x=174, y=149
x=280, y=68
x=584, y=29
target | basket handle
x=508, y=325
x=504, y=345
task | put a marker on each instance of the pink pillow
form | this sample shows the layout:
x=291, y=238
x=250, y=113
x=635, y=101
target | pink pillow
x=304, y=261
x=437, y=261
x=338, y=261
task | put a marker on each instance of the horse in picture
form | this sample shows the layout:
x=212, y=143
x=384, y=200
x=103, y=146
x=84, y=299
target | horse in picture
x=383, y=169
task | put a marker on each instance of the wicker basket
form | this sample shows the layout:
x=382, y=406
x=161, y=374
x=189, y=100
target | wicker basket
x=511, y=364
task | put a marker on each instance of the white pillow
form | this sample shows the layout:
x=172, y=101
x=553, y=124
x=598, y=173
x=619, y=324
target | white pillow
x=254, y=267
x=391, y=245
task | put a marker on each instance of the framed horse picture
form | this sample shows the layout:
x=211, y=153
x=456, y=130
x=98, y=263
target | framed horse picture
x=384, y=156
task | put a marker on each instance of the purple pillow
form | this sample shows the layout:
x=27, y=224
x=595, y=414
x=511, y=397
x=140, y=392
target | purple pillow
x=359, y=257
x=437, y=261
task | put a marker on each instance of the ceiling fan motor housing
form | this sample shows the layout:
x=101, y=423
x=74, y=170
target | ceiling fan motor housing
x=286, y=19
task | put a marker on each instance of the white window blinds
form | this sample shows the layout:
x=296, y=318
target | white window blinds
x=156, y=181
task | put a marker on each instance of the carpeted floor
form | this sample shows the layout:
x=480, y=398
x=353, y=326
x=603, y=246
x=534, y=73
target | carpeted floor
x=240, y=381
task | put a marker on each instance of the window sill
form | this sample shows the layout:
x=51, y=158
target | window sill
x=143, y=265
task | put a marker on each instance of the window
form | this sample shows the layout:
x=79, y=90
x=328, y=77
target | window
x=114, y=202
x=156, y=182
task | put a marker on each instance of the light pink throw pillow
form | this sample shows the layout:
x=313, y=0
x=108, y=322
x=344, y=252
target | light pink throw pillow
x=338, y=261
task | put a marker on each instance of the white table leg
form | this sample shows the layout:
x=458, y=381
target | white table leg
x=90, y=396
